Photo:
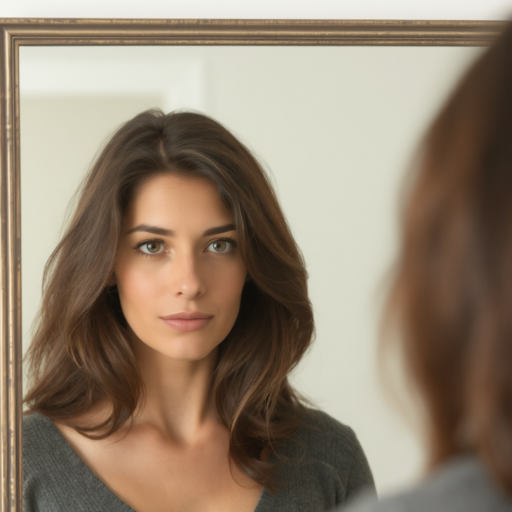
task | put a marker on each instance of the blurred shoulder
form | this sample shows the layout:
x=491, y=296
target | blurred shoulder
x=462, y=484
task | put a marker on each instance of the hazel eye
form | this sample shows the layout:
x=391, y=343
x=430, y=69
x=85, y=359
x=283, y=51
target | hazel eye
x=221, y=246
x=152, y=247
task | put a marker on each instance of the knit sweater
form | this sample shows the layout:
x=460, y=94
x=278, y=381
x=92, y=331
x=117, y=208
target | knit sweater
x=323, y=466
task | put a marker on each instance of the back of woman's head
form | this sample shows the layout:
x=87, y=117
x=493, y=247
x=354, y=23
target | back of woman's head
x=452, y=293
x=82, y=353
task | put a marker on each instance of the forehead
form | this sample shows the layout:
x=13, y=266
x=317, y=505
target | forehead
x=178, y=200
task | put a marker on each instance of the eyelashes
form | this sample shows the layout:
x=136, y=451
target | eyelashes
x=151, y=247
x=222, y=245
x=156, y=246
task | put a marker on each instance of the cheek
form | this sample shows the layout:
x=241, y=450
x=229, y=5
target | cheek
x=227, y=288
x=136, y=288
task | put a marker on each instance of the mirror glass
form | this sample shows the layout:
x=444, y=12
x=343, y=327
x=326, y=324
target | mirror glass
x=336, y=128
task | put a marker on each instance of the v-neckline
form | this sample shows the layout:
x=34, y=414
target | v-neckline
x=265, y=501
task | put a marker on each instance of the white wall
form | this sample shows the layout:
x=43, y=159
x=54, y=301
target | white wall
x=319, y=9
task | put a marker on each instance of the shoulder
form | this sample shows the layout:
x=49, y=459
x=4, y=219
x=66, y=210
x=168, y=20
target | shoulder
x=328, y=452
x=42, y=447
x=461, y=484
x=55, y=478
x=34, y=423
x=324, y=434
x=41, y=454
x=330, y=441
x=39, y=436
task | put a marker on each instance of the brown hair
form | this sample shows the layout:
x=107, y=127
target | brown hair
x=452, y=293
x=81, y=353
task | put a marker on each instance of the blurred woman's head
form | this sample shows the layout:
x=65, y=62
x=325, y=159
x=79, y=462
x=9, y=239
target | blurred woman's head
x=178, y=183
x=452, y=293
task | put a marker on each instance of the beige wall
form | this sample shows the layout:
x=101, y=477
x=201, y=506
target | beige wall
x=59, y=138
x=335, y=126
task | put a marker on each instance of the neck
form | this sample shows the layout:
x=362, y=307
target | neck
x=178, y=399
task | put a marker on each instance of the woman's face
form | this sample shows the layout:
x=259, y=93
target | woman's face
x=179, y=273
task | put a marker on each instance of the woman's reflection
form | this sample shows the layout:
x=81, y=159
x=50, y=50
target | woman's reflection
x=174, y=308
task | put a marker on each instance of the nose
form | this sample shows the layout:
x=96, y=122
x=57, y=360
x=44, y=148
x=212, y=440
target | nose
x=186, y=278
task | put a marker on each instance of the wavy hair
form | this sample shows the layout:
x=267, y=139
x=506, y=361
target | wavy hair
x=81, y=354
x=452, y=293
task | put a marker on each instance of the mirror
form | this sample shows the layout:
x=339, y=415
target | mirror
x=336, y=127
x=333, y=109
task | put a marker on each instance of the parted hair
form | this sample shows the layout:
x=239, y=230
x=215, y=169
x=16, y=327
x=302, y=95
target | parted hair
x=452, y=292
x=81, y=354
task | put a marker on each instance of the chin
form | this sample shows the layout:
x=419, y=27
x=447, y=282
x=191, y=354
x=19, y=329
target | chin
x=188, y=350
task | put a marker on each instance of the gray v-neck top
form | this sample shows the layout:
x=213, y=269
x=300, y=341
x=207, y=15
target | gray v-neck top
x=325, y=465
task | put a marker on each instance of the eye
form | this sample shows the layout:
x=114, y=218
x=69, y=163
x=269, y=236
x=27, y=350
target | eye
x=222, y=246
x=151, y=247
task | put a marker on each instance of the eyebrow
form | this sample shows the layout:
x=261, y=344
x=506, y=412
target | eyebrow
x=146, y=228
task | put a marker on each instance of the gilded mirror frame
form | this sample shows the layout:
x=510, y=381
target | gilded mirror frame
x=65, y=32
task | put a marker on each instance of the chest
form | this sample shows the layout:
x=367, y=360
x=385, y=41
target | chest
x=154, y=476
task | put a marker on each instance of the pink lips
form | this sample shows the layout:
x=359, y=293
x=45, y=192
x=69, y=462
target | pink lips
x=187, y=321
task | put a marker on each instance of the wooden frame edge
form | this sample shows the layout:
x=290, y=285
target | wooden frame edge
x=16, y=32
x=250, y=32
x=10, y=281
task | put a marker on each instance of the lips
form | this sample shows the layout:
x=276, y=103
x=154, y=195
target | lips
x=187, y=320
